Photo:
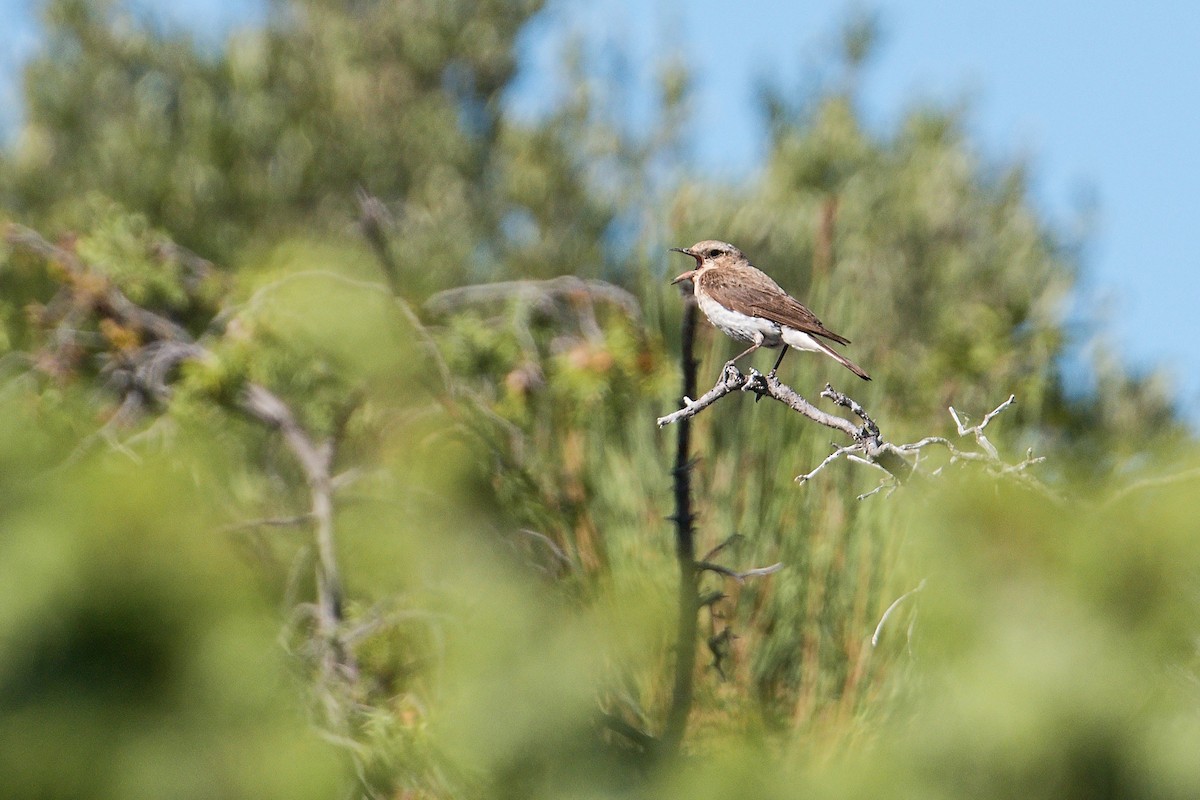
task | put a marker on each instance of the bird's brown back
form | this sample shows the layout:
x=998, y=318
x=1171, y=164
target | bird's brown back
x=748, y=290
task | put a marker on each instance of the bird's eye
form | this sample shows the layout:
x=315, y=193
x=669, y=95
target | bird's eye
x=714, y=253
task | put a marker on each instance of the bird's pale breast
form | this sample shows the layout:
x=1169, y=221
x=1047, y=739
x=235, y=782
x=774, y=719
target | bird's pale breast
x=740, y=326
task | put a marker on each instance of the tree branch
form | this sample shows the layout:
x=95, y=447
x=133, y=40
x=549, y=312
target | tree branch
x=868, y=446
x=740, y=577
x=108, y=297
x=314, y=459
x=867, y=439
x=536, y=291
x=1152, y=483
x=895, y=604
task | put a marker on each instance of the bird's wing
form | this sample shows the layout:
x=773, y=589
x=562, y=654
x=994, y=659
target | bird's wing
x=768, y=300
x=786, y=310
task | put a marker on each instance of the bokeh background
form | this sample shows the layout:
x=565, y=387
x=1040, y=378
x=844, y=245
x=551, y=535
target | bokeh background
x=1097, y=101
x=333, y=336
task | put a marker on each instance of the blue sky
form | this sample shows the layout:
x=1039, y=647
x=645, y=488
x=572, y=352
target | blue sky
x=1102, y=99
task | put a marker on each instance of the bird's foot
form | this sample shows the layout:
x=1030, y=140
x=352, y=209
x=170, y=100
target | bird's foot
x=756, y=382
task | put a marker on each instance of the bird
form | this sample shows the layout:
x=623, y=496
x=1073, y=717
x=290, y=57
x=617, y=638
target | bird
x=743, y=302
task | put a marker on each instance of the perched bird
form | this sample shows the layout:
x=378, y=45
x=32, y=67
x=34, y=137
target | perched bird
x=743, y=302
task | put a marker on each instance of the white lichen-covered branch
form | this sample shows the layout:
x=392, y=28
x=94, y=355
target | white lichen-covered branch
x=867, y=445
x=867, y=441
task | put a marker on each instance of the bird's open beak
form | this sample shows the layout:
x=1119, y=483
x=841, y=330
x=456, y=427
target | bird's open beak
x=691, y=273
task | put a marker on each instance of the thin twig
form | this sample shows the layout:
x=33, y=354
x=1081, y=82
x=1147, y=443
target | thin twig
x=535, y=291
x=268, y=522
x=829, y=459
x=109, y=297
x=617, y=725
x=550, y=545
x=895, y=604
x=730, y=539
x=740, y=577
x=977, y=430
x=1152, y=483
x=314, y=460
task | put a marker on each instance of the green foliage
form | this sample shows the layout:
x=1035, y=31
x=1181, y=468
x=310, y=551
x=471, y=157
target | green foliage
x=1061, y=648
x=136, y=654
x=278, y=128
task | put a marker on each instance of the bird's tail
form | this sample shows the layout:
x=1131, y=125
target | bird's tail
x=802, y=340
x=841, y=359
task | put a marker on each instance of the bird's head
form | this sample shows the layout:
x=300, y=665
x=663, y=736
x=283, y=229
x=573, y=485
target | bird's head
x=708, y=254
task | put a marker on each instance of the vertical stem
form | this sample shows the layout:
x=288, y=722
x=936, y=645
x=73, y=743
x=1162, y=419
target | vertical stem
x=265, y=406
x=826, y=231
x=329, y=585
x=685, y=550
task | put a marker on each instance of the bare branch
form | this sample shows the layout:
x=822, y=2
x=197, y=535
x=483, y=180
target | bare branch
x=867, y=440
x=829, y=459
x=110, y=297
x=635, y=735
x=142, y=377
x=977, y=430
x=732, y=538
x=890, y=486
x=988, y=457
x=733, y=380
x=537, y=292
x=314, y=459
x=1152, y=483
x=740, y=577
x=268, y=522
x=895, y=604
x=845, y=401
x=963, y=431
x=868, y=446
x=563, y=560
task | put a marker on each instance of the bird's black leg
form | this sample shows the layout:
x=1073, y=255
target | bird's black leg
x=779, y=360
x=771, y=374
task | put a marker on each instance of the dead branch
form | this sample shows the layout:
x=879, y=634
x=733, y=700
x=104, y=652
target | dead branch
x=988, y=457
x=740, y=577
x=733, y=538
x=617, y=725
x=538, y=293
x=293, y=521
x=867, y=440
x=868, y=446
x=315, y=460
x=109, y=298
x=142, y=376
x=977, y=430
x=1152, y=483
x=895, y=604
